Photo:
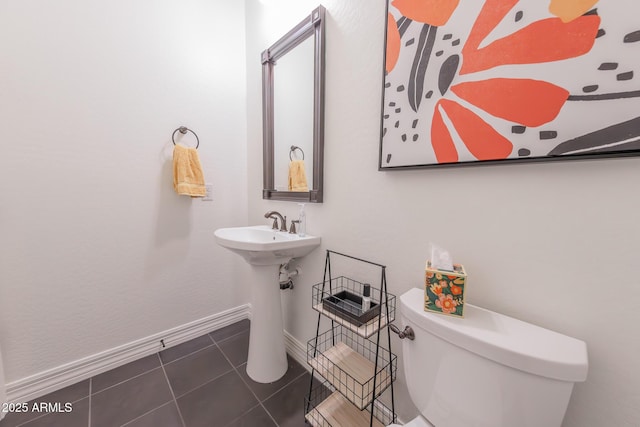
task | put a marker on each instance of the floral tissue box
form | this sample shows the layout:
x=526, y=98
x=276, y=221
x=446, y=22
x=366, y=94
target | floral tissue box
x=444, y=290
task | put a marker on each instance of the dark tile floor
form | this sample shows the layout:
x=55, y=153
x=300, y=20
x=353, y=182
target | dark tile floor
x=200, y=383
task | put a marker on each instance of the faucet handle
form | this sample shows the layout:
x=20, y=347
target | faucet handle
x=292, y=229
x=275, y=215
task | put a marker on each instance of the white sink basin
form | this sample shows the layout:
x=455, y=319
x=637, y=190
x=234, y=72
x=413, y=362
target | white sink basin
x=261, y=245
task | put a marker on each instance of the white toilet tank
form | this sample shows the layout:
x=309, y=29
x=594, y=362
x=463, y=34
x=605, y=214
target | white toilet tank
x=487, y=369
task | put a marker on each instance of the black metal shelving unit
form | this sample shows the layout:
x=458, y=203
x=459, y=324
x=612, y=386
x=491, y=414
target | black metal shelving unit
x=356, y=369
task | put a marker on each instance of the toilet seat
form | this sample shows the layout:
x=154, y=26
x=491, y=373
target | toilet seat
x=418, y=421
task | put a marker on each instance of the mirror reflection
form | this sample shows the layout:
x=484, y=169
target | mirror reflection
x=293, y=118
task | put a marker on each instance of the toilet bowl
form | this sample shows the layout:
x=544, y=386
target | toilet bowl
x=486, y=369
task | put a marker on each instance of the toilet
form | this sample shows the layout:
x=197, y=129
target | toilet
x=486, y=369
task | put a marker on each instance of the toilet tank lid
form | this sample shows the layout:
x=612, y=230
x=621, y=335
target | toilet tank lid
x=503, y=339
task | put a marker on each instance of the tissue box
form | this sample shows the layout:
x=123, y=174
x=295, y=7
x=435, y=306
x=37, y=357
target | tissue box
x=444, y=290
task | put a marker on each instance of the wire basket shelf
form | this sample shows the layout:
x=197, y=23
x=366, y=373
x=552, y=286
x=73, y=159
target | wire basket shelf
x=348, y=362
x=326, y=407
x=337, y=302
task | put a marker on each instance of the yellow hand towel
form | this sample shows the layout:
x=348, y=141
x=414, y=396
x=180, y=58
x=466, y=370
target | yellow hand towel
x=297, y=176
x=188, y=179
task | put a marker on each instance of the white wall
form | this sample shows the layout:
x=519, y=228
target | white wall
x=96, y=249
x=555, y=244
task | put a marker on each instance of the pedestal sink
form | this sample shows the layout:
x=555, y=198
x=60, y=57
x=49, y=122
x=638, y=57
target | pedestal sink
x=265, y=249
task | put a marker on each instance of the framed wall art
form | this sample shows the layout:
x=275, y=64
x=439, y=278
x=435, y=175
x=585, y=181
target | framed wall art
x=498, y=81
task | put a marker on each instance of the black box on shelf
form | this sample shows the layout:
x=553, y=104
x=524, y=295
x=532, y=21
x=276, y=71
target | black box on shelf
x=348, y=306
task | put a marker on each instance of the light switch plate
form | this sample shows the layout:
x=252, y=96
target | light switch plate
x=208, y=197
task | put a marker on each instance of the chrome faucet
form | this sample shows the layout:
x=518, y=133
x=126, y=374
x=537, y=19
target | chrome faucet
x=275, y=215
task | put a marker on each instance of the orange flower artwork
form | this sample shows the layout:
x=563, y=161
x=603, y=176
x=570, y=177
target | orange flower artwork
x=432, y=12
x=472, y=80
x=568, y=10
x=393, y=44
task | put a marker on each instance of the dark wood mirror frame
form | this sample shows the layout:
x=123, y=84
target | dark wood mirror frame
x=312, y=25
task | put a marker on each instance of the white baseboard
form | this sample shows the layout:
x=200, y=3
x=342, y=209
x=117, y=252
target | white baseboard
x=54, y=379
x=296, y=349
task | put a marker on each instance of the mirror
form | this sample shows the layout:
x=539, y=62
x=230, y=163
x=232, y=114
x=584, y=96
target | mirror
x=293, y=113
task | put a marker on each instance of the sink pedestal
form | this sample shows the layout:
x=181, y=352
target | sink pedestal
x=264, y=249
x=267, y=360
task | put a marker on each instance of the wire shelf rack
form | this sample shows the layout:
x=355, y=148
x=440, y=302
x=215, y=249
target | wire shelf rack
x=356, y=365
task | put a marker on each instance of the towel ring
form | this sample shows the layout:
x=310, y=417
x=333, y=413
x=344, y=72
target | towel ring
x=183, y=130
x=294, y=148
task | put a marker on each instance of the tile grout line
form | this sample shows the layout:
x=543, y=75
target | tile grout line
x=273, y=394
x=245, y=413
x=204, y=384
x=213, y=343
x=146, y=413
x=255, y=395
x=261, y=401
x=161, y=365
x=252, y=392
x=175, y=401
x=229, y=337
x=160, y=406
x=286, y=385
x=128, y=379
x=187, y=355
x=212, y=379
